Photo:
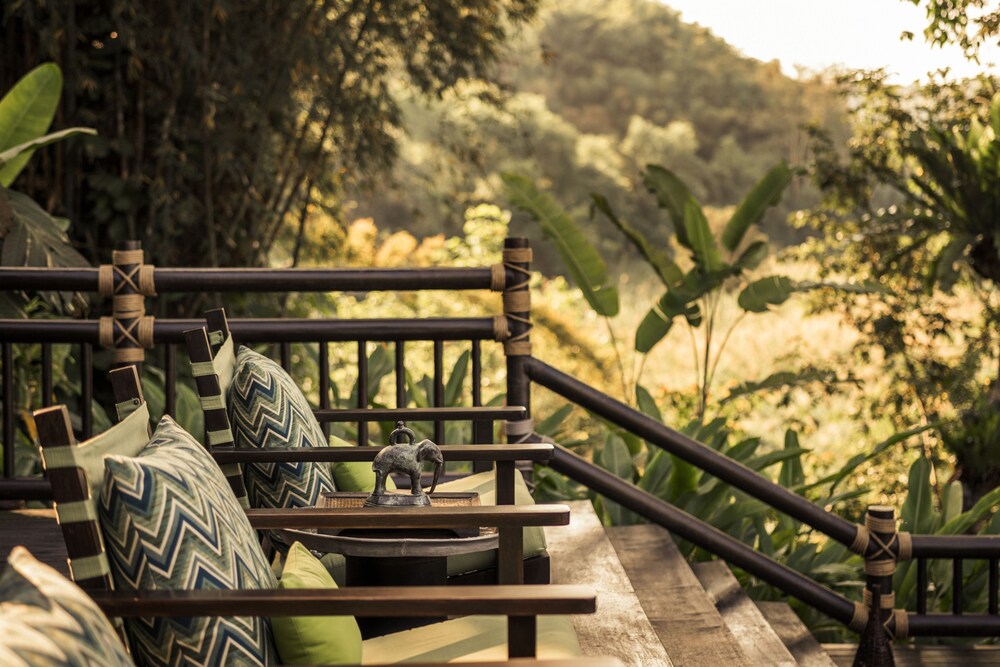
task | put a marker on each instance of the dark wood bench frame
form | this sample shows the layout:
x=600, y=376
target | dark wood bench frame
x=520, y=605
x=204, y=343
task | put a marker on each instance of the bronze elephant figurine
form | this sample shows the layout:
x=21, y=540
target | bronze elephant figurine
x=405, y=458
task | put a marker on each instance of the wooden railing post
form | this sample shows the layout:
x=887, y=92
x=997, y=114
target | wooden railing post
x=882, y=547
x=128, y=281
x=517, y=344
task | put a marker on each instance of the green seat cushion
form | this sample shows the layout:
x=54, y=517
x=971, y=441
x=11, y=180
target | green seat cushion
x=267, y=409
x=224, y=363
x=469, y=639
x=45, y=619
x=484, y=484
x=170, y=521
x=354, y=475
x=313, y=640
x=126, y=438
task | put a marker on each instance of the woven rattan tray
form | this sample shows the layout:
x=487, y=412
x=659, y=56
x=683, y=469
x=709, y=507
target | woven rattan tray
x=345, y=499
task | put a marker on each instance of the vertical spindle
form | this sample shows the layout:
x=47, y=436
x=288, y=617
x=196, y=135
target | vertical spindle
x=362, y=400
x=324, y=382
x=438, y=400
x=87, y=389
x=170, y=391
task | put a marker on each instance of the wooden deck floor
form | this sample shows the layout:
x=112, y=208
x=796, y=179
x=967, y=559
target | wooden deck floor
x=38, y=531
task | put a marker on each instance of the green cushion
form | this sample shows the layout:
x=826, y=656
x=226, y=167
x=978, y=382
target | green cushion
x=354, y=475
x=47, y=620
x=313, y=640
x=170, y=521
x=484, y=484
x=470, y=638
x=126, y=438
x=224, y=363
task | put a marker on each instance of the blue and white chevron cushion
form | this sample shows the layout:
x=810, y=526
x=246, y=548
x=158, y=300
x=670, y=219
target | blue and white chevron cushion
x=170, y=521
x=45, y=619
x=267, y=409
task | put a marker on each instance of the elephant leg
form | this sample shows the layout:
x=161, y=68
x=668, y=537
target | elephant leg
x=379, y=482
x=415, y=483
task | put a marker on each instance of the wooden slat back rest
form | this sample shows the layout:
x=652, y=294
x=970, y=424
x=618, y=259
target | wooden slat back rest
x=70, y=485
x=218, y=428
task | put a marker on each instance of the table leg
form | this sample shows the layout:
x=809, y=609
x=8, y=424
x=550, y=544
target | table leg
x=522, y=632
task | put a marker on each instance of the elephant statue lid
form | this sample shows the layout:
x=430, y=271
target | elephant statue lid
x=405, y=457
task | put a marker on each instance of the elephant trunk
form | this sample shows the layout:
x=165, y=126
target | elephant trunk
x=438, y=466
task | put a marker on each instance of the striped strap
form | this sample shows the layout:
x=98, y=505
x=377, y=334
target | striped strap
x=88, y=567
x=212, y=403
x=54, y=458
x=202, y=368
x=223, y=437
x=78, y=511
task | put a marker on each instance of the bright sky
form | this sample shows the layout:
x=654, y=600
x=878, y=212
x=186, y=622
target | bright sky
x=820, y=33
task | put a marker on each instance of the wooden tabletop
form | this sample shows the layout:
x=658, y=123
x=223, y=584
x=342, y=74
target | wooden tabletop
x=499, y=516
x=412, y=601
x=530, y=452
x=509, y=412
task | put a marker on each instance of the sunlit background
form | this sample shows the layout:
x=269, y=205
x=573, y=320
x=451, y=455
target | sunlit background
x=817, y=35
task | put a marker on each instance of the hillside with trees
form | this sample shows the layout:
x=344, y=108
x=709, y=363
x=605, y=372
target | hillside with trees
x=582, y=107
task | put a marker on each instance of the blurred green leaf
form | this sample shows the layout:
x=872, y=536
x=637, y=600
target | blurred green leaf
x=766, y=193
x=584, y=264
x=26, y=112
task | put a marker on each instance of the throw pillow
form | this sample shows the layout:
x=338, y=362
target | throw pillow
x=267, y=409
x=313, y=640
x=170, y=521
x=45, y=619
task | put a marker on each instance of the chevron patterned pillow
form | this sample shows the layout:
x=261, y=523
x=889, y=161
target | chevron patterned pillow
x=267, y=409
x=170, y=521
x=45, y=619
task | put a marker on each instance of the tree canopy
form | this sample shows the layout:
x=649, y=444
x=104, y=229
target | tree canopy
x=219, y=120
x=595, y=91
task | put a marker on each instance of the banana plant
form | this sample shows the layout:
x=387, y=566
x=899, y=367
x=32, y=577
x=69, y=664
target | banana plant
x=29, y=236
x=719, y=263
x=26, y=112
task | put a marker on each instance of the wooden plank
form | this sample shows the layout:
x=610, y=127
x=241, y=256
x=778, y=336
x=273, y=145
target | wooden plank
x=923, y=656
x=684, y=617
x=441, y=414
x=582, y=554
x=38, y=532
x=500, y=453
x=795, y=635
x=497, y=516
x=755, y=635
x=528, y=662
x=414, y=601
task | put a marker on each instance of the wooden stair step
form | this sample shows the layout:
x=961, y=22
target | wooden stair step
x=684, y=617
x=795, y=635
x=582, y=554
x=924, y=656
x=754, y=634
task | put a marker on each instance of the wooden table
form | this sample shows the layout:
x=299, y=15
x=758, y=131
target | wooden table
x=508, y=519
x=396, y=556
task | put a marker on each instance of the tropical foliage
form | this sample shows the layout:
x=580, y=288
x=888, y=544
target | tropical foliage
x=29, y=236
x=206, y=148
x=914, y=206
x=719, y=264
